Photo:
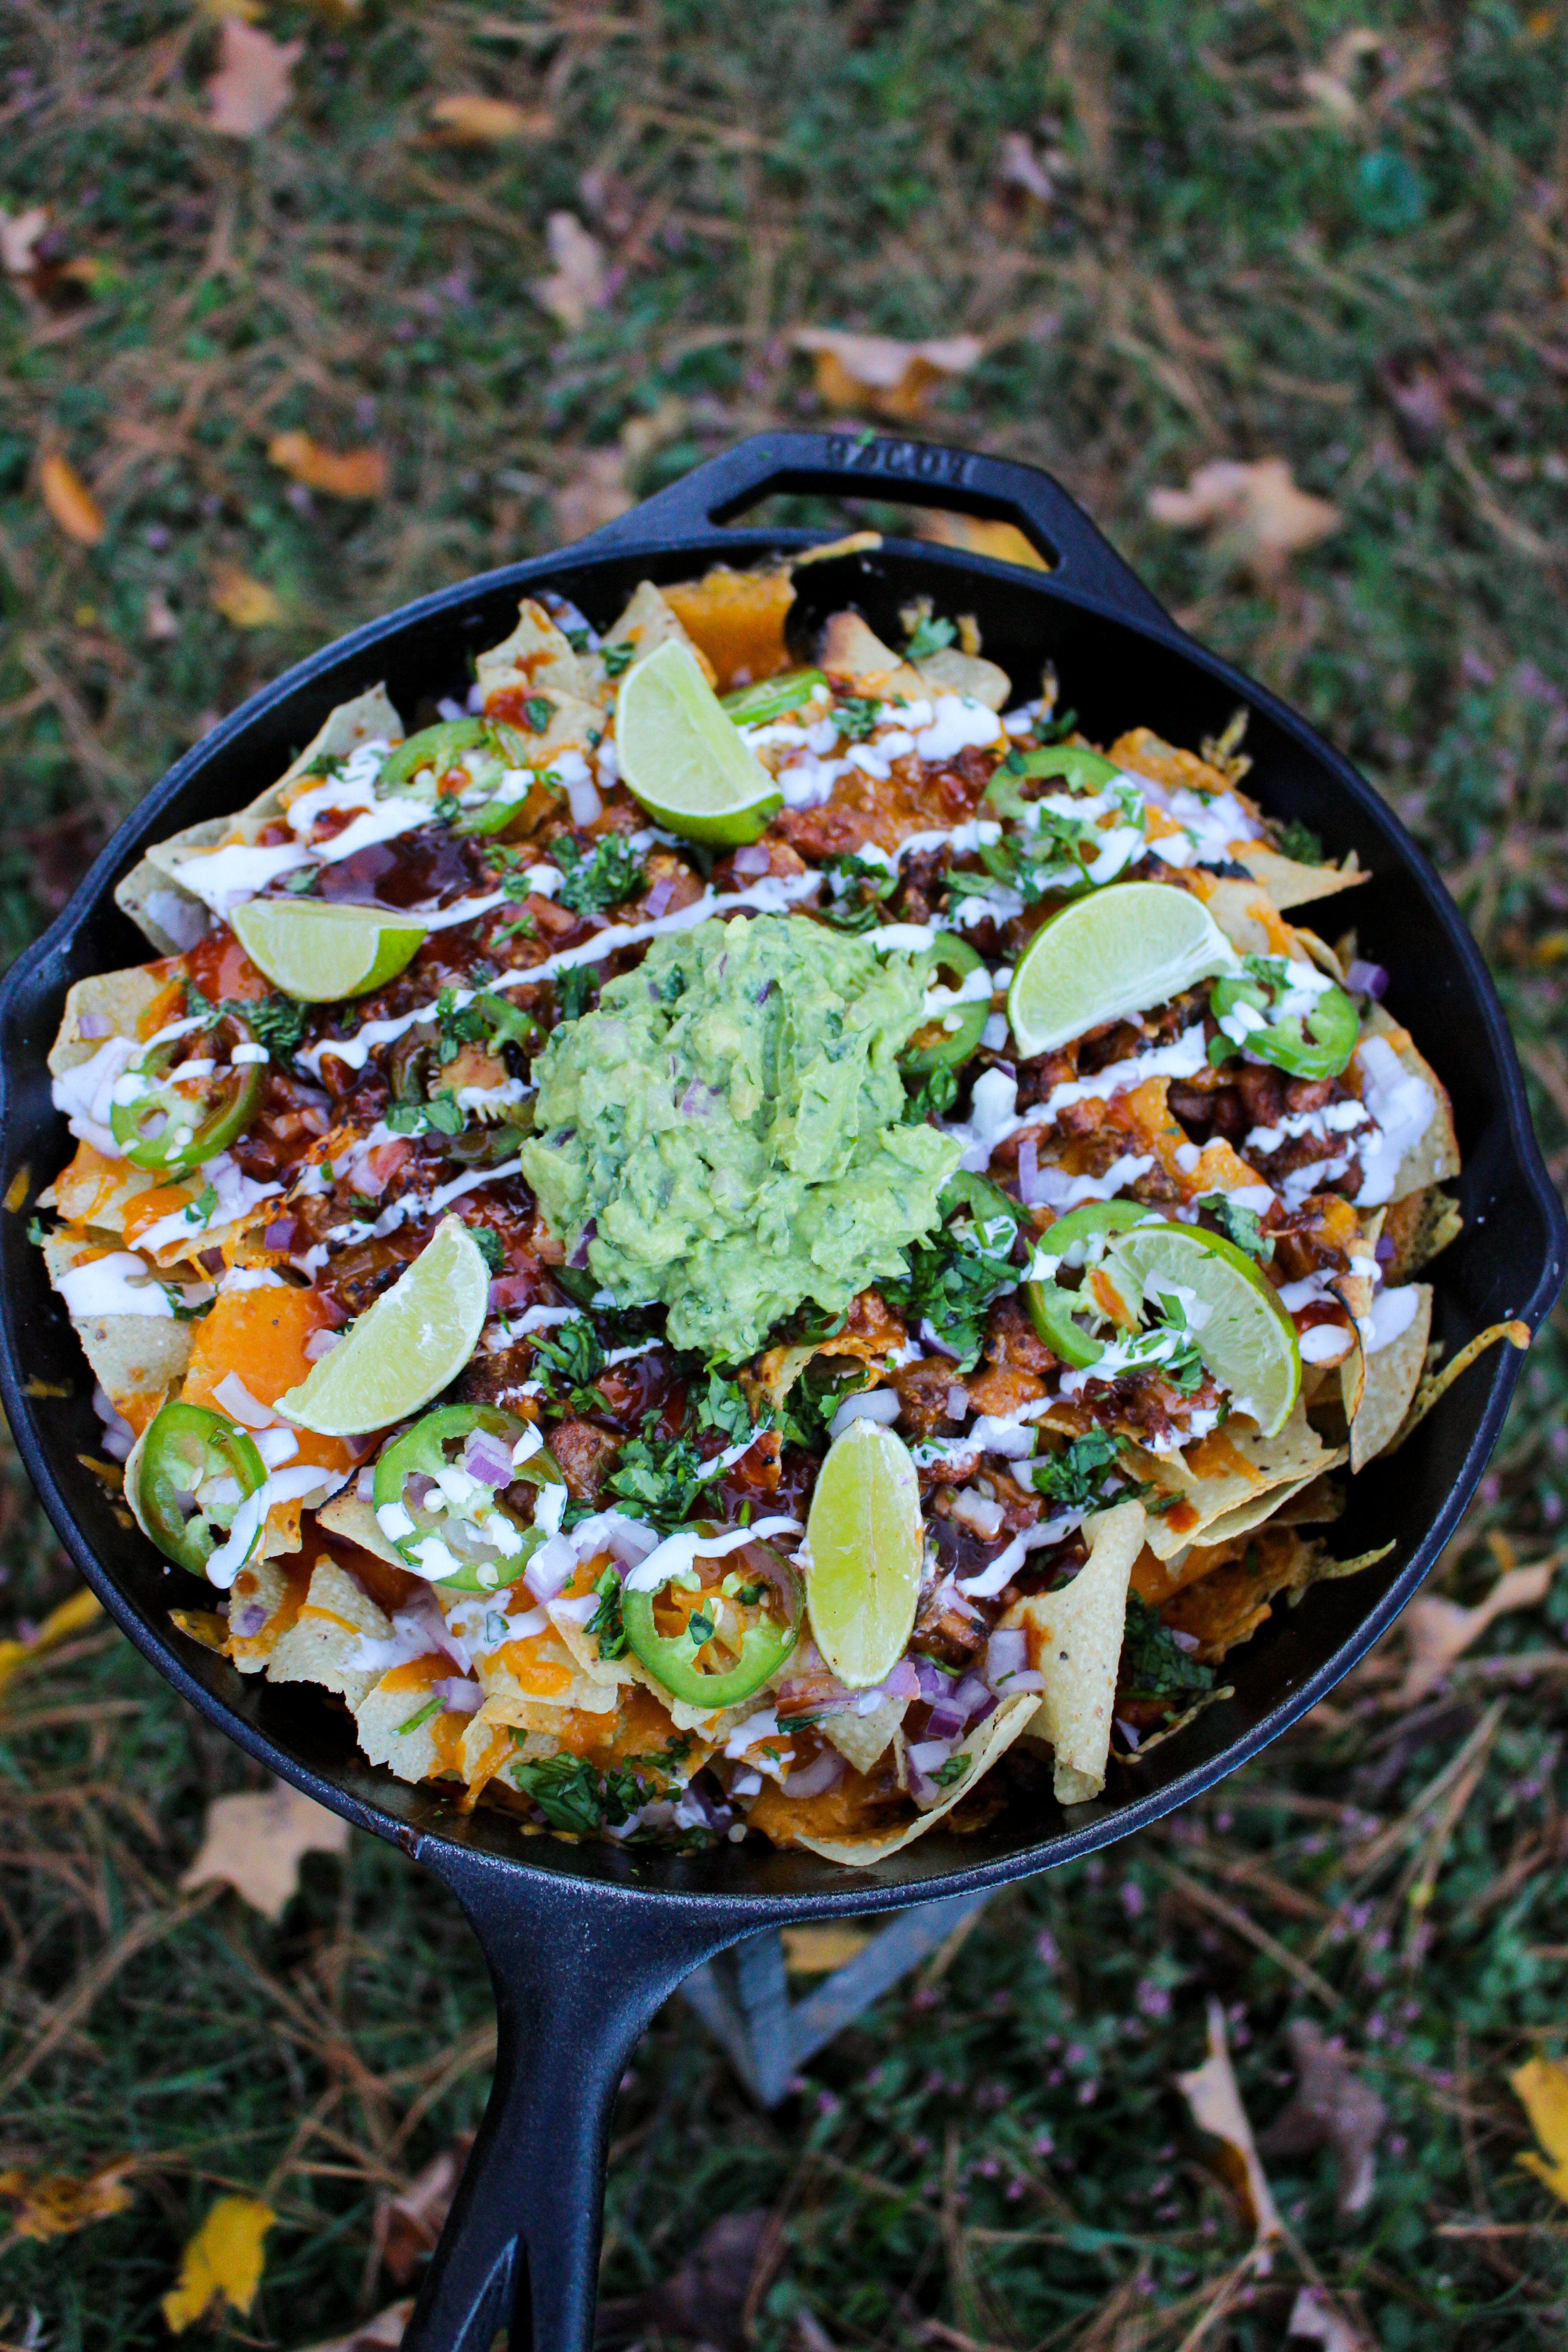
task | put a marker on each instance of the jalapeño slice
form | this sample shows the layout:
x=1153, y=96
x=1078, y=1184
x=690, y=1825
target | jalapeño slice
x=947, y=964
x=193, y=1470
x=171, y=1123
x=752, y=705
x=440, y=748
x=454, y=1515
x=1315, y=1041
x=714, y=1643
x=1054, y=1309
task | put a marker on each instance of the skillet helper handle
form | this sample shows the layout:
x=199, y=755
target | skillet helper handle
x=919, y=473
x=578, y=1970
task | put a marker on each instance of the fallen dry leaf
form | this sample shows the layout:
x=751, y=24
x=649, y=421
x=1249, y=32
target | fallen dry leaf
x=69, y=501
x=340, y=473
x=1328, y=85
x=815, y=1951
x=878, y=372
x=1330, y=2106
x=58, y=1627
x=371, y=2334
x=251, y=85
x=1255, y=511
x=580, y=282
x=1543, y=2085
x=1437, y=1631
x=1018, y=166
x=1314, y=2318
x=1215, y=2100
x=709, y=2299
x=248, y=603
x=158, y=617
x=19, y=232
x=255, y=1843
x=978, y=536
x=408, y=2224
x=53, y=2204
x=469, y=118
x=222, y=2262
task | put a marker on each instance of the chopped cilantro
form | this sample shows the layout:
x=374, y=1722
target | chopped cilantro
x=1153, y=1662
x=458, y=1025
x=618, y=657
x=508, y=1023
x=953, y=1770
x=1299, y=840
x=537, y=713
x=700, y=1628
x=816, y=1397
x=275, y=1021
x=856, y=715
x=580, y=640
x=177, y=1307
x=861, y=908
x=968, y=1262
x=723, y=1407
x=433, y=1707
x=605, y=1624
x=440, y=1115
x=574, y=1797
x=661, y=1477
x=490, y=1246
x=593, y=884
x=928, y=637
x=36, y=1232
x=1238, y=1225
x=304, y=881
x=576, y=989
x=1079, y=1477
x=570, y=1353
x=199, y=1211
x=938, y=1094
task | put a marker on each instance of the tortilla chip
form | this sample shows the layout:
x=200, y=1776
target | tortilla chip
x=382, y=1712
x=1416, y=1228
x=135, y=1359
x=1143, y=753
x=1225, y=1609
x=346, y=1515
x=1075, y=1641
x=121, y=998
x=848, y=647
x=1223, y=1472
x=1246, y=914
x=537, y=656
x=1229, y=1526
x=864, y=1740
x=947, y=671
x=649, y=622
x=737, y=619
x=1289, y=883
x=174, y=917
x=1435, y=1154
x=1312, y=1506
x=97, y=1191
x=338, y=1613
x=992, y=1740
x=1393, y=1376
x=280, y=1588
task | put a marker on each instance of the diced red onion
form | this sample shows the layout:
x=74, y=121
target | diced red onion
x=698, y=1099
x=459, y=1695
x=815, y=1780
x=578, y=1260
x=94, y=1024
x=282, y=1234
x=1383, y=1250
x=931, y=1338
x=749, y=862
x=510, y=1290
x=321, y=1343
x=440, y=1634
x=1029, y=1170
x=1187, y=1642
x=1129, y=1734
x=1006, y=1653
x=1366, y=979
x=957, y=1402
x=487, y=1458
x=117, y=1444
x=934, y=1685
x=976, y=1697
x=415, y=1488
x=659, y=897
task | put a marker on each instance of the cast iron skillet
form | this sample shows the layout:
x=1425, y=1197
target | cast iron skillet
x=585, y=1942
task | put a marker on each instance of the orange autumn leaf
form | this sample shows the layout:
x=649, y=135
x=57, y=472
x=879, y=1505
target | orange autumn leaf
x=70, y=1617
x=339, y=473
x=468, y=117
x=222, y=2264
x=255, y=1842
x=980, y=536
x=53, y=2204
x=1256, y=511
x=248, y=603
x=252, y=84
x=1541, y=2085
x=69, y=501
x=859, y=372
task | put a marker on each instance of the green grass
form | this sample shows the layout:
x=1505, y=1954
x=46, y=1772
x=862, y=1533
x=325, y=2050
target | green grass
x=1223, y=271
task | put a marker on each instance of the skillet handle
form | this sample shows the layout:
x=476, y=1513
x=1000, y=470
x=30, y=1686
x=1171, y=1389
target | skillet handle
x=578, y=1970
x=923, y=473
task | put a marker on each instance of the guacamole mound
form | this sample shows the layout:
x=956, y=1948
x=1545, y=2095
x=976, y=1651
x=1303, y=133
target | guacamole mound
x=725, y=1128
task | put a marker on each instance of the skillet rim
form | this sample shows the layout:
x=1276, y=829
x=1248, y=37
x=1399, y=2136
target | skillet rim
x=470, y=1854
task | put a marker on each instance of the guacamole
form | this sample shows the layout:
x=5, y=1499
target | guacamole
x=725, y=1129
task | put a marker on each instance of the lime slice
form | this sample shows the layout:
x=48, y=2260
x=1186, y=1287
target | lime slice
x=683, y=757
x=322, y=953
x=403, y=1349
x=1241, y=1331
x=1116, y=952
x=867, y=1546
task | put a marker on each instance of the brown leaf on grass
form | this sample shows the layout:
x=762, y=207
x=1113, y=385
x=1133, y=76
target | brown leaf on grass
x=581, y=281
x=53, y=2204
x=877, y=371
x=711, y=2298
x=378, y=2335
x=222, y=2264
x=1437, y=1631
x=1332, y=2107
x=1543, y=2085
x=249, y=603
x=61, y=1623
x=1018, y=166
x=255, y=1843
x=339, y=473
x=466, y=118
x=1314, y=2320
x=252, y=84
x=1214, y=2099
x=69, y=501
x=408, y=2224
x=1256, y=512
x=19, y=232
x=979, y=536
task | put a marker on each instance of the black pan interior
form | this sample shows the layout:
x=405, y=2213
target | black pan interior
x=1116, y=675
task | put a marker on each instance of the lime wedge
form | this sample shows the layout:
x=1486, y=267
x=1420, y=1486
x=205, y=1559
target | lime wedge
x=867, y=1546
x=682, y=756
x=1119, y=951
x=1241, y=1331
x=321, y=953
x=405, y=1348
